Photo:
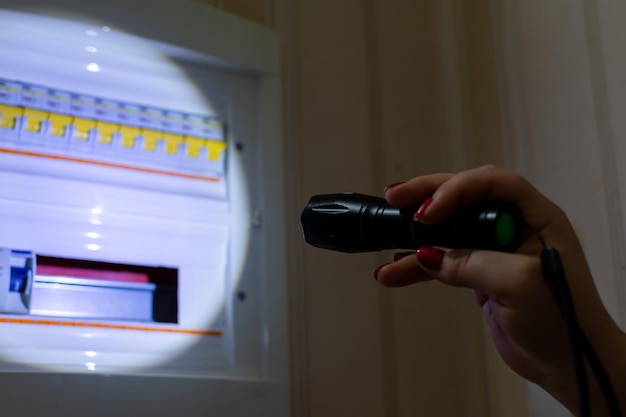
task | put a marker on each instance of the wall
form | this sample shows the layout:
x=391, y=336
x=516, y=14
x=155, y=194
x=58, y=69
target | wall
x=377, y=92
x=563, y=95
x=564, y=92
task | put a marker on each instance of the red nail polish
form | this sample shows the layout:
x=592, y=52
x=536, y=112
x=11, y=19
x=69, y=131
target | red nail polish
x=420, y=211
x=430, y=258
x=377, y=271
x=390, y=186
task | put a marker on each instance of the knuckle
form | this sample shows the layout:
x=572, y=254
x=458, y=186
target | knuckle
x=491, y=168
x=458, y=262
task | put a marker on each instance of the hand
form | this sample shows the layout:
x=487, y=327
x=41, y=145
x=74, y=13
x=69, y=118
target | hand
x=518, y=306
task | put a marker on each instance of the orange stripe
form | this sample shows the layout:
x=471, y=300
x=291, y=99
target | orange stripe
x=47, y=322
x=108, y=164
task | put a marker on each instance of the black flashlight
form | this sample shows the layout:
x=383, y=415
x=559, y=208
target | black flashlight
x=351, y=222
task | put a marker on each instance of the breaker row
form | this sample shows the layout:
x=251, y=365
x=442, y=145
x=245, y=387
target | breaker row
x=17, y=94
x=113, y=131
x=117, y=142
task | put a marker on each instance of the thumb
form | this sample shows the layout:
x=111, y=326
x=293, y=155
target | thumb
x=497, y=274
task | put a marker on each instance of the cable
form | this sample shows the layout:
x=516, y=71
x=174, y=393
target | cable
x=601, y=375
x=554, y=274
x=555, y=277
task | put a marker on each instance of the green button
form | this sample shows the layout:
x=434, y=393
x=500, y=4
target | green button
x=505, y=229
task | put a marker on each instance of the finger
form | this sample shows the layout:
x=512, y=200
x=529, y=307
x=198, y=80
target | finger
x=413, y=192
x=489, y=183
x=401, y=255
x=504, y=276
x=403, y=272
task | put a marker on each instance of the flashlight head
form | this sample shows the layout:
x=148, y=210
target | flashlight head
x=352, y=222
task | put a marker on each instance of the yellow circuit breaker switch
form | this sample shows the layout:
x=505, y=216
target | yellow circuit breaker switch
x=215, y=149
x=83, y=127
x=151, y=138
x=9, y=115
x=59, y=123
x=194, y=145
x=172, y=143
x=129, y=135
x=34, y=119
x=106, y=131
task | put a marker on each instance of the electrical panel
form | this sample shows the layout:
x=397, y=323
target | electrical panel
x=137, y=178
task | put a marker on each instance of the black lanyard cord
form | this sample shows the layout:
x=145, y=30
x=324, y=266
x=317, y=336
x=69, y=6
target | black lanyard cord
x=554, y=274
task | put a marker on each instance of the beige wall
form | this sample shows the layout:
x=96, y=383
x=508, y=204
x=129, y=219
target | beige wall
x=564, y=99
x=377, y=92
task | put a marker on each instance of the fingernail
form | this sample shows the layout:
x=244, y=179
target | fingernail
x=420, y=211
x=430, y=258
x=390, y=186
x=377, y=271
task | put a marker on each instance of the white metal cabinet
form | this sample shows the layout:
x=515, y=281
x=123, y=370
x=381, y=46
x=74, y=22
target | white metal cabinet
x=226, y=354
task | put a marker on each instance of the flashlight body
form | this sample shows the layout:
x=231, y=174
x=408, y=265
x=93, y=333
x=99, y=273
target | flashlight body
x=351, y=222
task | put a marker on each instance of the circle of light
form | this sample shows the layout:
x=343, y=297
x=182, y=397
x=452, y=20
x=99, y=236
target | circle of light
x=150, y=350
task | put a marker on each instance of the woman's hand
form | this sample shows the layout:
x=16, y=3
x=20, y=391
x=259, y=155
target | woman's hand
x=526, y=325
